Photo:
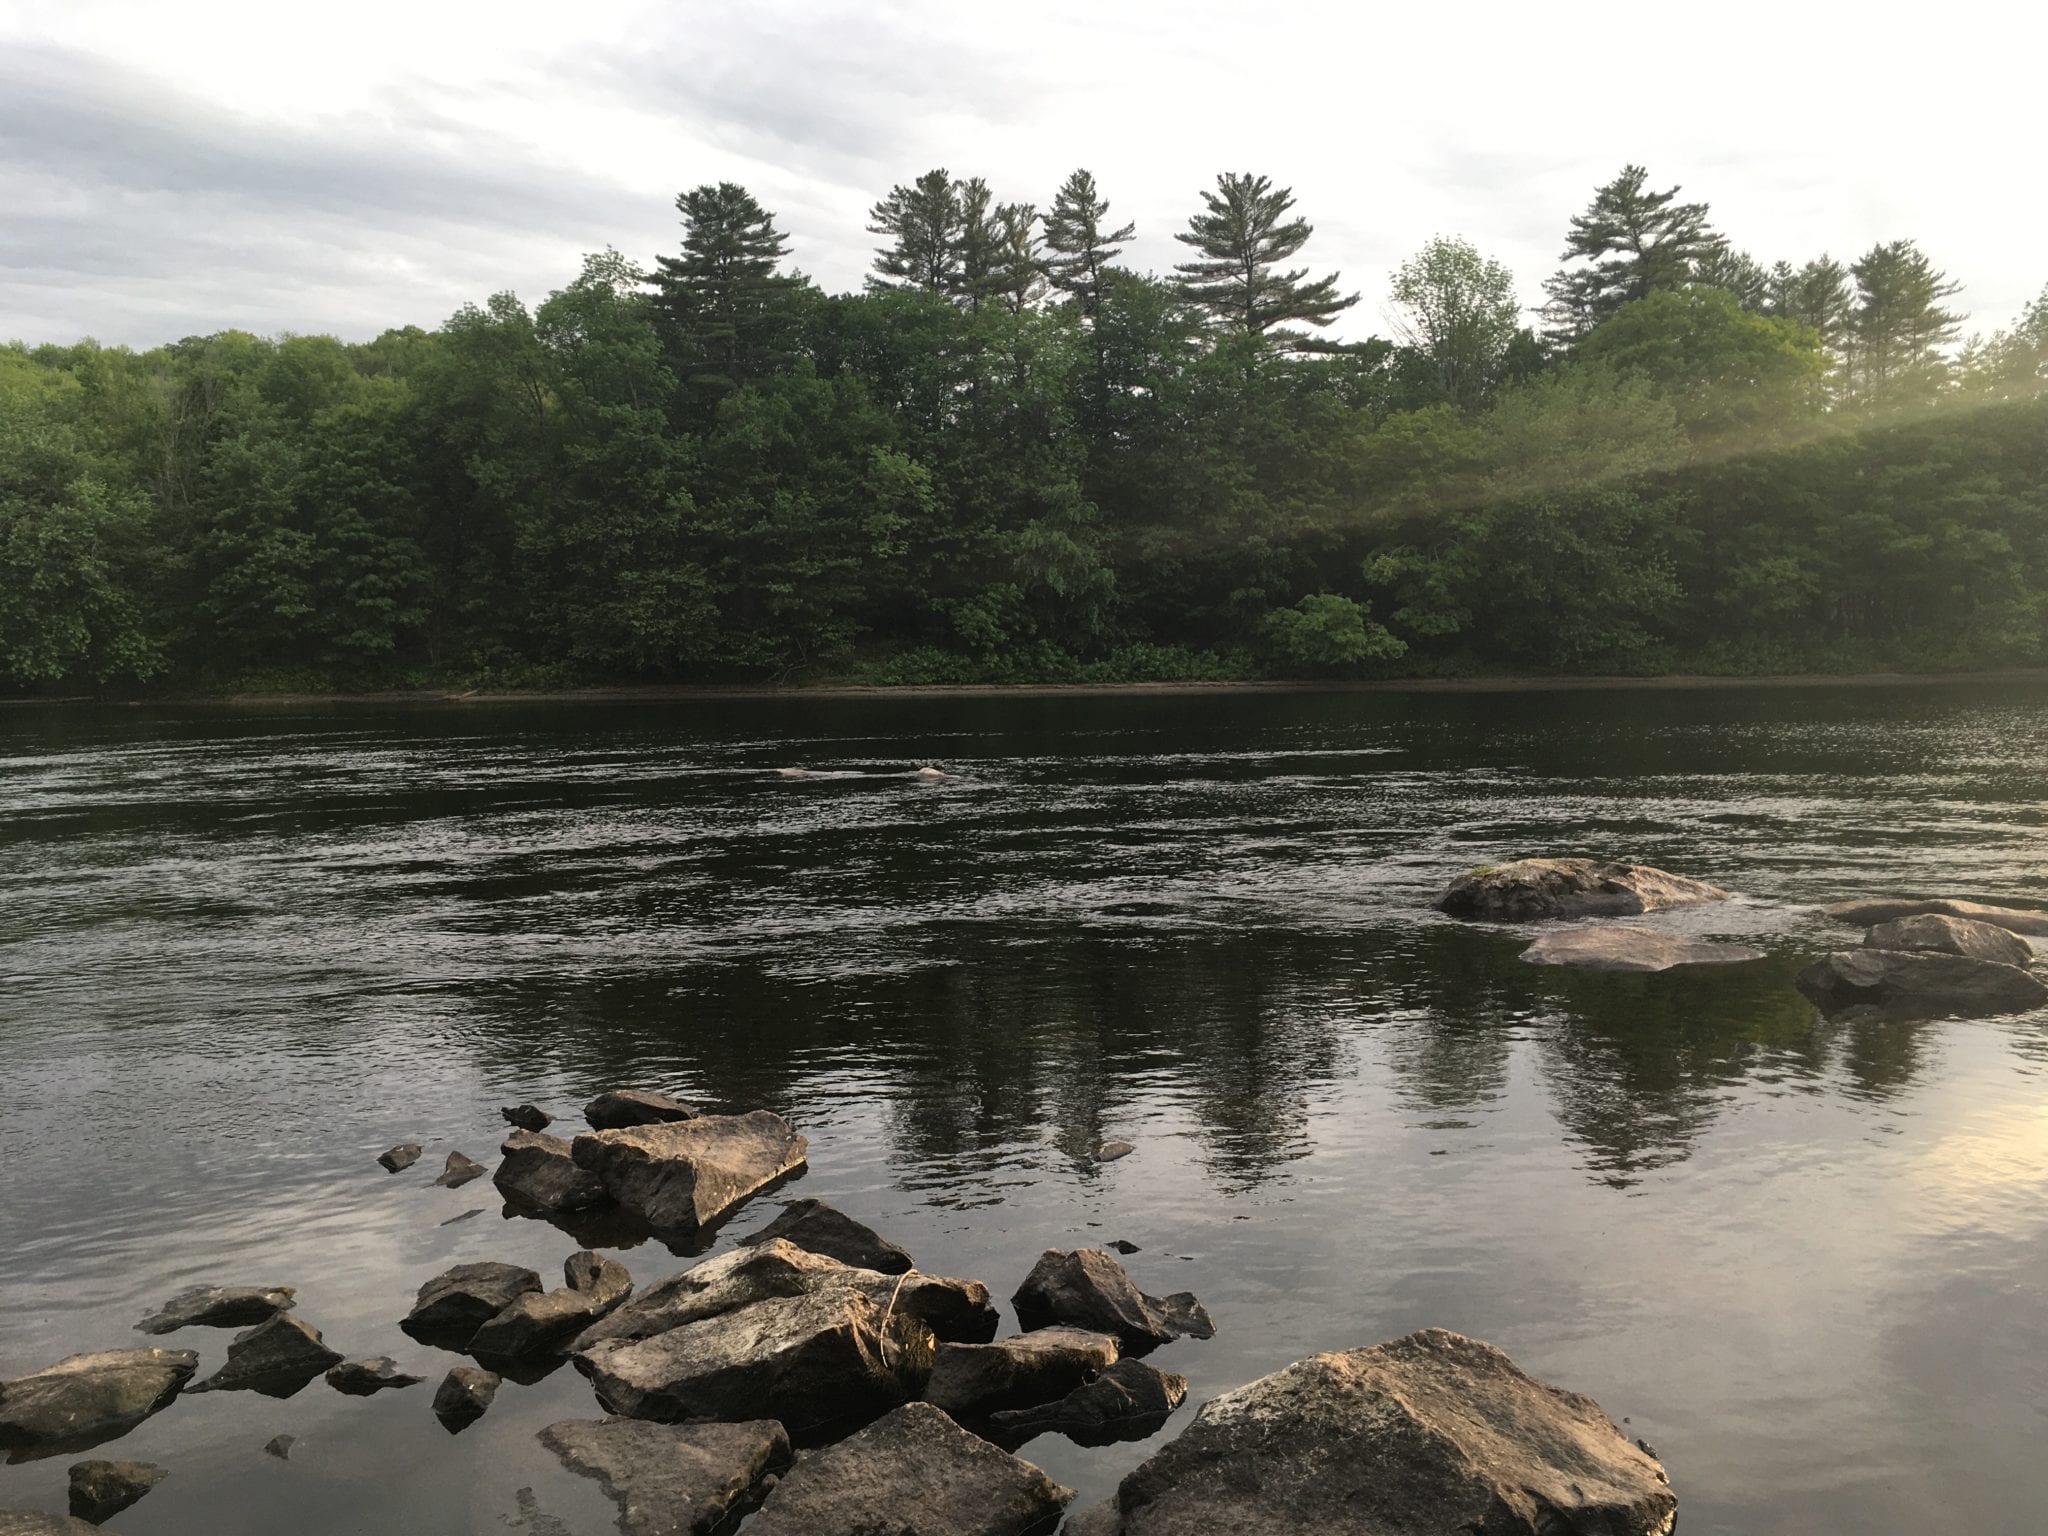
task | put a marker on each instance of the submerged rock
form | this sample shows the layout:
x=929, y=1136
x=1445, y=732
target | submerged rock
x=1430, y=1435
x=817, y=1227
x=671, y=1479
x=280, y=1446
x=1086, y=1288
x=463, y=1396
x=972, y=1381
x=537, y=1321
x=218, y=1306
x=912, y=1473
x=1110, y=1151
x=276, y=1358
x=459, y=1171
x=527, y=1117
x=1632, y=949
x=400, y=1157
x=84, y=1400
x=1951, y=936
x=1529, y=889
x=1129, y=1401
x=360, y=1378
x=538, y=1173
x=452, y=1306
x=1888, y=909
x=99, y=1490
x=623, y=1107
x=682, y=1176
x=1918, y=984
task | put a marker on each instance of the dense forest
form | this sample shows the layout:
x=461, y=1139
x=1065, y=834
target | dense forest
x=1013, y=458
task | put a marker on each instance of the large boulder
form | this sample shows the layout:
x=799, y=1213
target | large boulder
x=537, y=1173
x=452, y=1306
x=1938, y=934
x=1529, y=889
x=972, y=1381
x=540, y=1321
x=100, y=1490
x=1086, y=1288
x=622, y=1107
x=1907, y=983
x=1886, y=909
x=1434, y=1434
x=219, y=1306
x=362, y=1378
x=83, y=1400
x=1129, y=1401
x=463, y=1397
x=816, y=1226
x=682, y=1176
x=912, y=1473
x=807, y=1360
x=30, y=1522
x=671, y=1479
x=276, y=1358
x=1632, y=949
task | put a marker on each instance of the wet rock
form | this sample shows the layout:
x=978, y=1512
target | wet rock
x=29, y=1522
x=538, y=1173
x=817, y=1227
x=623, y=1107
x=1124, y=1247
x=682, y=1176
x=1430, y=1435
x=1129, y=1401
x=1632, y=949
x=360, y=1378
x=463, y=1396
x=538, y=1322
x=972, y=1381
x=400, y=1157
x=276, y=1358
x=1086, y=1288
x=459, y=1171
x=1938, y=934
x=805, y=1360
x=2013, y=919
x=1529, y=889
x=455, y=1303
x=99, y=1490
x=669, y=1479
x=1918, y=984
x=84, y=1400
x=218, y=1306
x=527, y=1117
x=912, y=1473
x=1110, y=1151
x=280, y=1446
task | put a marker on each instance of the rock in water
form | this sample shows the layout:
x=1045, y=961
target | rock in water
x=25, y=1522
x=1129, y=1401
x=460, y=1171
x=537, y=1322
x=2012, y=919
x=102, y=1489
x=400, y=1157
x=805, y=1360
x=1434, y=1434
x=1907, y=983
x=682, y=1176
x=623, y=1107
x=814, y=1226
x=972, y=1381
x=527, y=1117
x=1632, y=949
x=1938, y=934
x=537, y=1173
x=1086, y=1288
x=276, y=1358
x=1529, y=889
x=455, y=1303
x=218, y=1306
x=360, y=1378
x=913, y=1473
x=280, y=1446
x=462, y=1397
x=84, y=1400
x=1110, y=1151
x=668, y=1479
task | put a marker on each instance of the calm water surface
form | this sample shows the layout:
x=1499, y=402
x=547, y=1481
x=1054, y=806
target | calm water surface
x=242, y=951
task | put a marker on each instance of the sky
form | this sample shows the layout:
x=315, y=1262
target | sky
x=171, y=169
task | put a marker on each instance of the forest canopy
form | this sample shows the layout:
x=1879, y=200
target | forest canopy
x=1013, y=458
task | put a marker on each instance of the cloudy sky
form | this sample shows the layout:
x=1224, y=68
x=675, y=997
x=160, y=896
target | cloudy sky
x=174, y=168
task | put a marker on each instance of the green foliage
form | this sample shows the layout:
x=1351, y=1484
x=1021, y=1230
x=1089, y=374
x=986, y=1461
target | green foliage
x=1460, y=314
x=1241, y=237
x=1632, y=242
x=1327, y=635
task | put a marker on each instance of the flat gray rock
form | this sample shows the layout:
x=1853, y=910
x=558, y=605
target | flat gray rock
x=972, y=1381
x=1531, y=889
x=817, y=1227
x=1918, y=984
x=622, y=1107
x=681, y=1176
x=452, y=1306
x=99, y=1490
x=1885, y=909
x=537, y=1173
x=276, y=1358
x=671, y=1479
x=1940, y=934
x=28, y=1522
x=913, y=1472
x=84, y=1400
x=1632, y=949
x=1086, y=1288
x=540, y=1322
x=400, y=1157
x=219, y=1306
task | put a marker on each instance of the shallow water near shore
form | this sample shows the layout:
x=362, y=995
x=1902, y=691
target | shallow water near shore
x=243, y=951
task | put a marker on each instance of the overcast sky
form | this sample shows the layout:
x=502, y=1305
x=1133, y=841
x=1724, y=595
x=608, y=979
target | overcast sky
x=172, y=168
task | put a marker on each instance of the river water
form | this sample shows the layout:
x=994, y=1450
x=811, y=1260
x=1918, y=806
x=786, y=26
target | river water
x=244, y=950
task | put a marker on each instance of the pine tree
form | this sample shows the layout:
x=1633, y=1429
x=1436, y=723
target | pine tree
x=1899, y=328
x=1735, y=272
x=1082, y=252
x=726, y=309
x=1242, y=236
x=1020, y=258
x=980, y=260
x=1816, y=295
x=1634, y=242
x=924, y=226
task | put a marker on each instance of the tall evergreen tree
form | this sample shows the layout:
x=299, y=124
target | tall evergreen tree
x=1082, y=251
x=1242, y=235
x=1020, y=256
x=980, y=241
x=723, y=303
x=1899, y=327
x=1736, y=272
x=924, y=226
x=1634, y=242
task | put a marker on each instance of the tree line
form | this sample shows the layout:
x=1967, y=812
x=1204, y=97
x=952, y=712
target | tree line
x=1012, y=457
